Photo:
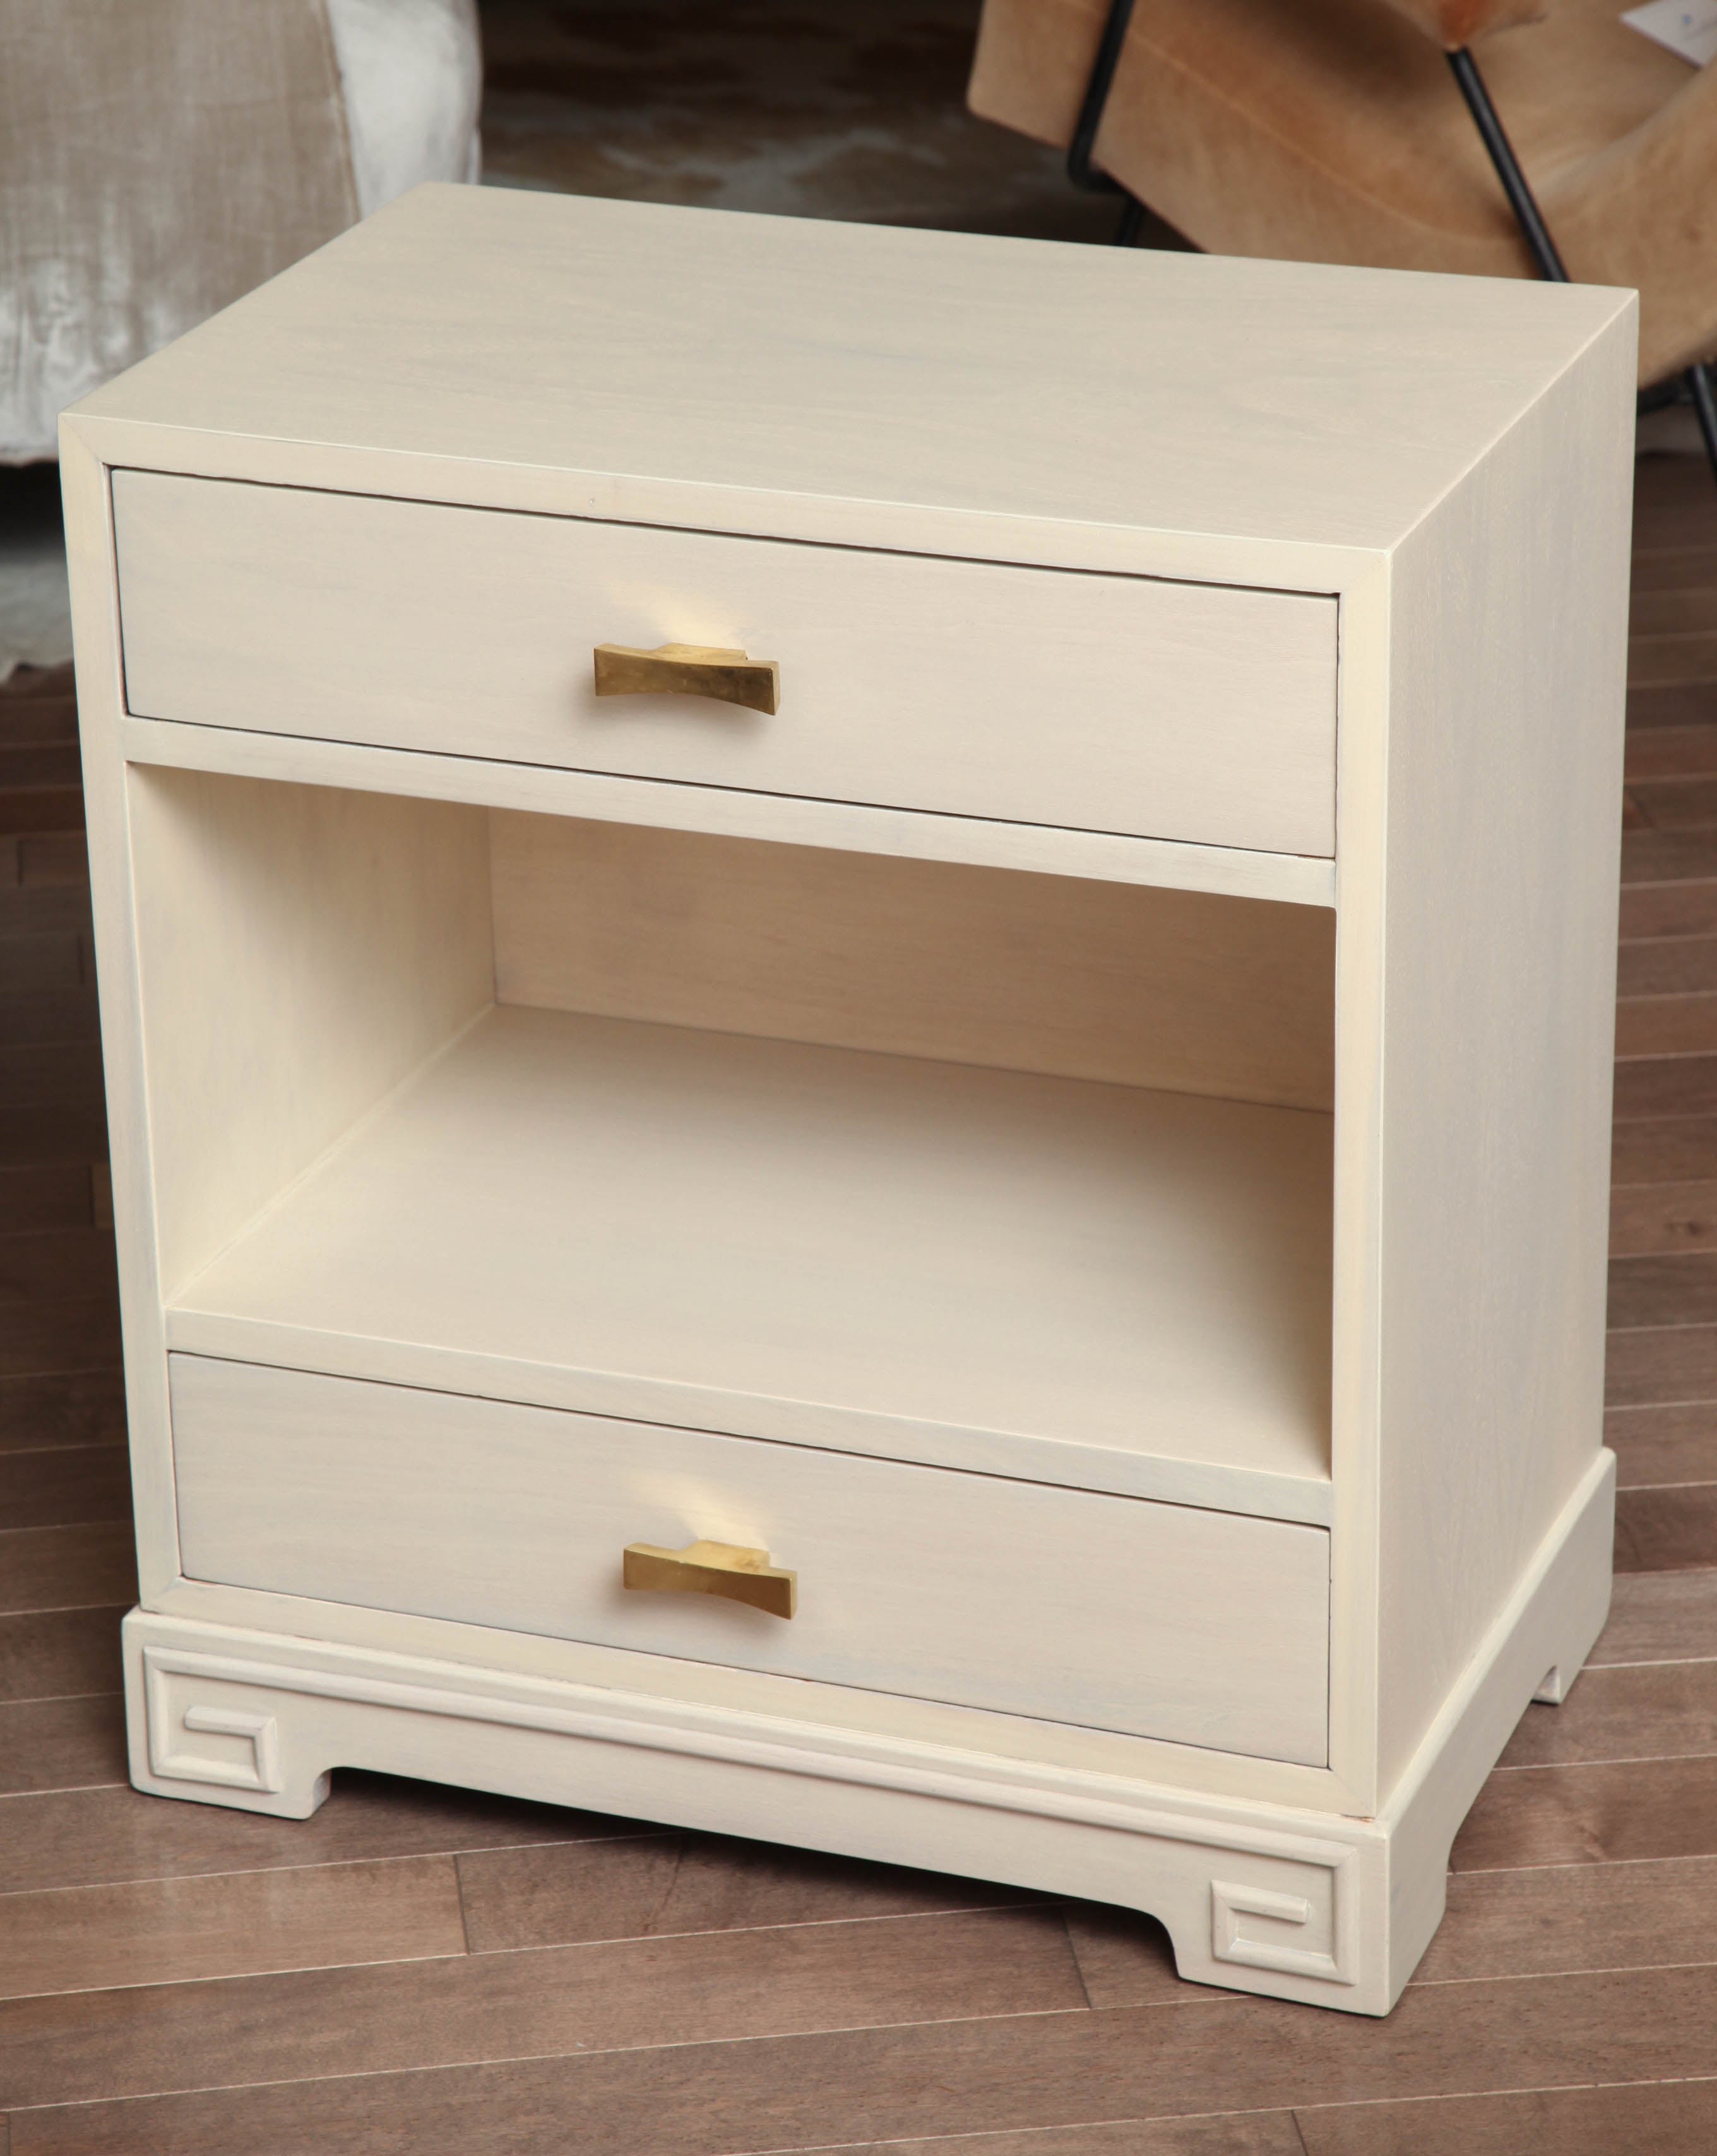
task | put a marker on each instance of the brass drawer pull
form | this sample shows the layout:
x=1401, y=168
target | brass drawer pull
x=688, y=669
x=742, y=1575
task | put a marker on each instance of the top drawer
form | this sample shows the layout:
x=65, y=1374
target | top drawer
x=1109, y=703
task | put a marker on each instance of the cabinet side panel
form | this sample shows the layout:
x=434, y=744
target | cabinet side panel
x=1190, y=991
x=301, y=952
x=1508, y=667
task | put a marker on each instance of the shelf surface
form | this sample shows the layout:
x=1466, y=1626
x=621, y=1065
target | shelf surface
x=1072, y=1281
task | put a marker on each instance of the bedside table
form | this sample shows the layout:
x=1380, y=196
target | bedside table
x=964, y=1219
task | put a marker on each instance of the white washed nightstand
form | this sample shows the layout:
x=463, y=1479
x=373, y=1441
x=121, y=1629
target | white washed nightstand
x=1070, y=1154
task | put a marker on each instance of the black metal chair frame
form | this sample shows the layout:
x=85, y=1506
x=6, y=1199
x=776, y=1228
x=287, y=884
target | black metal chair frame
x=1697, y=382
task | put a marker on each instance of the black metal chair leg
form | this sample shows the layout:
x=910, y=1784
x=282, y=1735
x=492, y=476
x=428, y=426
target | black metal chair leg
x=1704, y=393
x=1079, y=169
x=1521, y=200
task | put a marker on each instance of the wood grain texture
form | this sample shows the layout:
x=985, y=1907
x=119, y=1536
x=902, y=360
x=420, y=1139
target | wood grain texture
x=1666, y=1529
x=977, y=1283
x=1658, y=1220
x=74, y=1743
x=1660, y=1446
x=39, y=1412
x=241, y=996
x=419, y=625
x=179, y=1931
x=1679, y=2117
x=1528, y=1417
x=647, y=1994
x=106, y=1836
x=1190, y=991
x=56, y=1653
x=1235, y=2133
x=282, y=1476
x=1607, y=1813
x=371, y=350
x=969, y=2076
x=63, y=1487
x=660, y=1882
x=1642, y=1712
x=67, y=1567
x=1661, y=1617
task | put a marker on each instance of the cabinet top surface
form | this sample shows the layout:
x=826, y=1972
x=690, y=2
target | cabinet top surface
x=747, y=355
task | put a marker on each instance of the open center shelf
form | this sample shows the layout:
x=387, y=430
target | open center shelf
x=985, y=1267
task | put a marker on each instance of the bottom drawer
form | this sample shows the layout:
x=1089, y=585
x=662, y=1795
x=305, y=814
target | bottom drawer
x=1161, y=1620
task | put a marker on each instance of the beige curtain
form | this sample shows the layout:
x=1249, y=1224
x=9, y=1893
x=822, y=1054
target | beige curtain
x=157, y=159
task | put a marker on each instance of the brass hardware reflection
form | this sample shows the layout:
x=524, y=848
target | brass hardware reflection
x=740, y=1575
x=688, y=669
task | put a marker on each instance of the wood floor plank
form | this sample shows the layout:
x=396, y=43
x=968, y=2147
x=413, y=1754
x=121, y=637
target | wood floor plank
x=962, y=2077
x=1687, y=654
x=72, y=1014
x=64, y=1486
x=63, y=857
x=1125, y=1958
x=38, y=1076
x=1656, y=1446
x=1645, y=1710
x=38, y=1412
x=40, y=962
x=173, y=1931
x=658, y=1883
x=1681, y=1150
x=1666, y=1086
x=1677, y=1289
x=1674, y=1530
x=1229, y=2133
x=1684, y=1023
x=52, y=1130
x=1673, y=751
x=1663, y=2118
x=1650, y=912
x=1590, y=1815
x=1657, y=569
x=709, y=1987
x=1661, y=612
x=93, y=1837
x=35, y=909
x=1667, y=966
x=1663, y=1218
x=1554, y=1920
x=77, y=1743
x=41, y=1336
x=1661, y=1367
x=1677, y=804
x=1670, y=856
x=1660, y=1617
x=55, y=1654
x=68, y=1568
x=65, y=1264
x=55, y=1194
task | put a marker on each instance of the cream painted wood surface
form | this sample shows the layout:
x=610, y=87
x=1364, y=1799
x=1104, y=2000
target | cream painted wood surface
x=1271, y=1897
x=776, y=1239
x=723, y=812
x=1183, y=990
x=1499, y=836
x=1123, y=704
x=1439, y=458
x=863, y=384
x=971, y=1589
x=301, y=952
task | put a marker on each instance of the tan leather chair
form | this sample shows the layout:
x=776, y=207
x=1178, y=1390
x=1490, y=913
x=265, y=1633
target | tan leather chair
x=1355, y=131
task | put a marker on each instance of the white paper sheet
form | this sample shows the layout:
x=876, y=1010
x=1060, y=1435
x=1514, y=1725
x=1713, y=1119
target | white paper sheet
x=1688, y=28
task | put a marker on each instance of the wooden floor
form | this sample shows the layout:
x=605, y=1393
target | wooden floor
x=418, y=1970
